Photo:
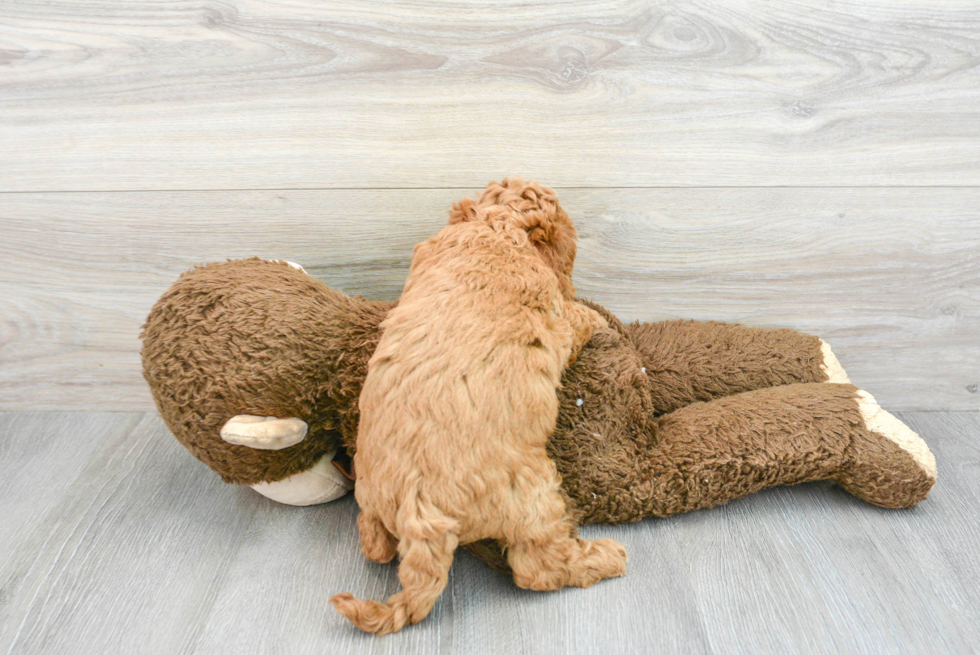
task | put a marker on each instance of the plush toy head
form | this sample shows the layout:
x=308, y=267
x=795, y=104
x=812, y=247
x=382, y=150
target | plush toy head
x=258, y=338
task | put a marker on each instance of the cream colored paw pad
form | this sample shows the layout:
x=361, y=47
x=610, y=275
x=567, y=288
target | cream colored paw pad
x=264, y=432
x=881, y=422
x=831, y=366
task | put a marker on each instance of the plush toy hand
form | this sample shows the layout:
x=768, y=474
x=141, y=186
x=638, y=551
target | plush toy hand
x=264, y=432
x=320, y=484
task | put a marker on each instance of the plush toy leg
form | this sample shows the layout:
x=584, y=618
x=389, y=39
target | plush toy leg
x=714, y=452
x=319, y=484
x=709, y=453
x=831, y=367
x=699, y=361
x=888, y=463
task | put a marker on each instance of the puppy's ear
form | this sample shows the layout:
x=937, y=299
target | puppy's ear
x=531, y=208
x=552, y=234
x=464, y=210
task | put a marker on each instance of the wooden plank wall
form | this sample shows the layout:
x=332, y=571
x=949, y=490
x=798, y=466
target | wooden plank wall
x=813, y=165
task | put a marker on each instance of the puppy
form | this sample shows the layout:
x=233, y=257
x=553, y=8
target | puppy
x=459, y=401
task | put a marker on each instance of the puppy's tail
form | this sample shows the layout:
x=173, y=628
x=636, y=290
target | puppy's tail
x=428, y=541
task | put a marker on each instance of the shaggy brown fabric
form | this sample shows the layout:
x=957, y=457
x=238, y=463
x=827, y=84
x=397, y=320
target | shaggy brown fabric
x=879, y=472
x=255, y=337
x=697, y=361
x=707, y=454
x=710, y=453
x=258, y=337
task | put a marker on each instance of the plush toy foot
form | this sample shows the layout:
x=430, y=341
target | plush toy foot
x=889, y=465
x=319, y=484
x=293, y=264
x=831, y=366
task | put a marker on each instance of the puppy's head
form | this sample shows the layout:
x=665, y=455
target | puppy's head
x=532, y=209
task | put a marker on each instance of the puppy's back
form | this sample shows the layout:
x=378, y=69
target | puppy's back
x=468, y=360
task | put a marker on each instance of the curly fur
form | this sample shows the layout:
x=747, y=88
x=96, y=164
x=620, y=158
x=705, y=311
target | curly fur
x=458, y=404
x=536, y=210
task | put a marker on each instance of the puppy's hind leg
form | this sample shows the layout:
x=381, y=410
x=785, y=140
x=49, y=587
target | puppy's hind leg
x=377, y=544
x=426, y=547
x=423, y=571
x=565, y=561
x=543, y=553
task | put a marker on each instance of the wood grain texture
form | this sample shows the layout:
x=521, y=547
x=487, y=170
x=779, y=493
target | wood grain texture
x=39, y=461
x=119, y=564
x=887, y=276
x=799, y=569
x=130, y=545
x=112, y=94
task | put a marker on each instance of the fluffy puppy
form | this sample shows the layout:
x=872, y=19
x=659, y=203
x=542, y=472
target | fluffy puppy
x=459, y=401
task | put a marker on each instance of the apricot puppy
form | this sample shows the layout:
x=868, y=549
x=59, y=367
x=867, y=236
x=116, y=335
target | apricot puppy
x=459, y=401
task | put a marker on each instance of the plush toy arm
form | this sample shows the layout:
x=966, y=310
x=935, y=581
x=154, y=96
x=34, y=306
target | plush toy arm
x=694, y=361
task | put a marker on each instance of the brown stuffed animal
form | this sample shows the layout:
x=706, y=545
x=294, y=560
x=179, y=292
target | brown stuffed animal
x=256, y=367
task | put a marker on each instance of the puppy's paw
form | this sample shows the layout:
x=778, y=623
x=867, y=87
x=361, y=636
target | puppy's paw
x=596, y=320
x=601, y=559
x=377, y=544
x=584, y=321
x=542, y=580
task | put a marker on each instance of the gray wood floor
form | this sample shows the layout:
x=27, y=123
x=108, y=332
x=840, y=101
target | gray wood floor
x=115, y=540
